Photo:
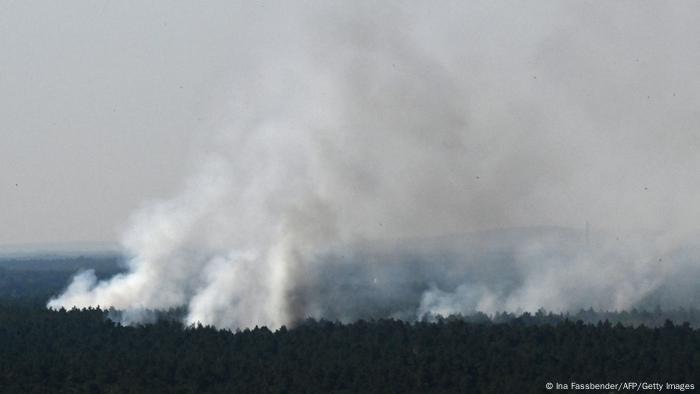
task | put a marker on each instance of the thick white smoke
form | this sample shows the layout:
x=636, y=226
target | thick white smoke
x=405, y=160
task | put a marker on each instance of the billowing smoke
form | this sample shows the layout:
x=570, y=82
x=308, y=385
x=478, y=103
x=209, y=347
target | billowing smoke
x=404, y=160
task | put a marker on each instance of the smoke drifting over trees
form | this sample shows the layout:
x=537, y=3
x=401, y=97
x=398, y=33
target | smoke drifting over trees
x=407, y=159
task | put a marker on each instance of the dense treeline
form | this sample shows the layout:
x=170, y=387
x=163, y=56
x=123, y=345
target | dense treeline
x=634, y=317
x=84, y=351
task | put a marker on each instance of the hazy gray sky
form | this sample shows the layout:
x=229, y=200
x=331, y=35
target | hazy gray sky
x=105, y=105
x=101, y=105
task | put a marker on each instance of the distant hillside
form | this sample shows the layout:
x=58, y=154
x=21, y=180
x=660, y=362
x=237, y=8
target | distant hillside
x=42, y=277
x=57, y=250
x=107, y=262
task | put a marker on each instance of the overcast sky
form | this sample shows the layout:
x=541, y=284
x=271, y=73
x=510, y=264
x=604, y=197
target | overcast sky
x=105, y=105
x=101, y=106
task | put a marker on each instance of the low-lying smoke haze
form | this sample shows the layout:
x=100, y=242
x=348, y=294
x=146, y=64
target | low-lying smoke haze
x=403, y=160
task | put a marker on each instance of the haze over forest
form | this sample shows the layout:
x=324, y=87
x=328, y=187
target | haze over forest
x=260, y=163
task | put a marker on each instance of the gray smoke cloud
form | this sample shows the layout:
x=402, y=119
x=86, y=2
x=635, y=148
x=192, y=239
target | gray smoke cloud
x=405, y=160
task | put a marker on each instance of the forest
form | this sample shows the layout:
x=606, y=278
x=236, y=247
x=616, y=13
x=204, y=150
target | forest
x=85, y=351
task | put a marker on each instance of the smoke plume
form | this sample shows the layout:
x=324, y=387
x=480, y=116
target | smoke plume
x=406, y=160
